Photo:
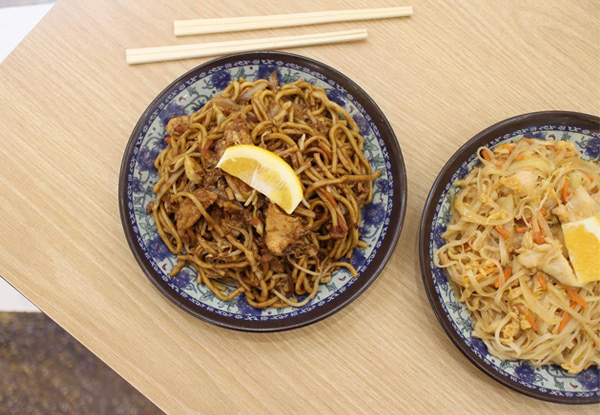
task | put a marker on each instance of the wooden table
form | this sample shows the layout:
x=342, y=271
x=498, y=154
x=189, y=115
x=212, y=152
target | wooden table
x=69, y=102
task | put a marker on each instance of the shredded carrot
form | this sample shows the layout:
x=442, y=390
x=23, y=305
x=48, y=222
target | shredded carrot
x=485, y=153
x=503, y=232
x=563, y=323
x=528, y=315
x=507, y=273
x=542, y=280
x=509, y=146
x=589, y=176
x=539, y=237
x=522, y=229
x=168, y=140
x=500, y=163
x=484, y=272
x=543, y=211
x=565, y=190
x=565, y=319
x=576, y=298
x=519, y=157
x=328, y=197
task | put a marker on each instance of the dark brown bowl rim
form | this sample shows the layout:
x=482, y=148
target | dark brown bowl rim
x=509, y=125
x=383, y=254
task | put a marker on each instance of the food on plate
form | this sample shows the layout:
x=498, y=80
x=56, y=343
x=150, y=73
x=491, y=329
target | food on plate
x=522, y=249
x=266, y=172
x=261, y=191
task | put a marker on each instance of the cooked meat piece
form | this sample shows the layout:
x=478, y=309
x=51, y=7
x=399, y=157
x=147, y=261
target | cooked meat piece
x=177, y=126
x=188, y=214
x=549, y=258
x=282, y=229
x=522, y=182
x=205, y=197
x=220, y=147
x=579, y=206
x=237, y=132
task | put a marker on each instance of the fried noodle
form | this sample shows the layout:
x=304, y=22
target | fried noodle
x=239, y=242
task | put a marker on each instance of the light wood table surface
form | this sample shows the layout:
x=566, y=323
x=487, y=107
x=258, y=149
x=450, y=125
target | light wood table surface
x=68, y=103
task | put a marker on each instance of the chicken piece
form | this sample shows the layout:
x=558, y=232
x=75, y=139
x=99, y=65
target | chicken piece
x=282, y=229
x=178, y=125
x=522, y=182
x=206, y=197
x=549, y=258
x=237, y=132
x=188, y=214
x=579, y=206
x=528, y=180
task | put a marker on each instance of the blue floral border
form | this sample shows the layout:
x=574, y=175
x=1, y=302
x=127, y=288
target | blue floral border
x=527, y=376
x=176, y=90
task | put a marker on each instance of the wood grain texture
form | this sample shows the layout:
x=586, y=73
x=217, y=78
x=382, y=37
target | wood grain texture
x=69, y=102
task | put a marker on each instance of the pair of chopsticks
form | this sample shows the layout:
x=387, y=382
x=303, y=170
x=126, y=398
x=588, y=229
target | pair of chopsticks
x=234, y=24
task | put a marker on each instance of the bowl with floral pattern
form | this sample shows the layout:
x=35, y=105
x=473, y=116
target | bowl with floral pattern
x=550, y=382
x=382, y=219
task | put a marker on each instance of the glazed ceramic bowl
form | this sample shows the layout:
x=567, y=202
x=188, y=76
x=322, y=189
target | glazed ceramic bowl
x=382, y=219
x=551, y=382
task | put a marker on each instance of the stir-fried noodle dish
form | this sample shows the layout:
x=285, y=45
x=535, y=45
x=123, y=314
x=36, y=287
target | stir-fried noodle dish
x=519, y=249
x=235, y=237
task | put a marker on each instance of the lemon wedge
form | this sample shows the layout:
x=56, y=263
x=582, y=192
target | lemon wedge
x=266, y=172
x=583, y=243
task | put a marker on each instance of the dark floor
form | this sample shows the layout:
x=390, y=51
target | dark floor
x=44, y=370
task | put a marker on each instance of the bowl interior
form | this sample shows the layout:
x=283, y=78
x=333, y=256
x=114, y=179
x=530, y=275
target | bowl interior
x=188, y=95
x=542, y=382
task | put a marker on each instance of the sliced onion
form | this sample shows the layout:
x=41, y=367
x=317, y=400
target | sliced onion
x=531, y=163
x=299, y=109
x=259, y=86
x=225, y=103
x=274, y=109
x=191, y=168
x=273, y=81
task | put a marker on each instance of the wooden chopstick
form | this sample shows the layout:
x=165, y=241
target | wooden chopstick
x=167, y=53
x=234, y=24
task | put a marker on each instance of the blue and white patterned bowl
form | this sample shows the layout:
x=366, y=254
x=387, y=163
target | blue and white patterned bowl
x=550, y=382
x=382, y=219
